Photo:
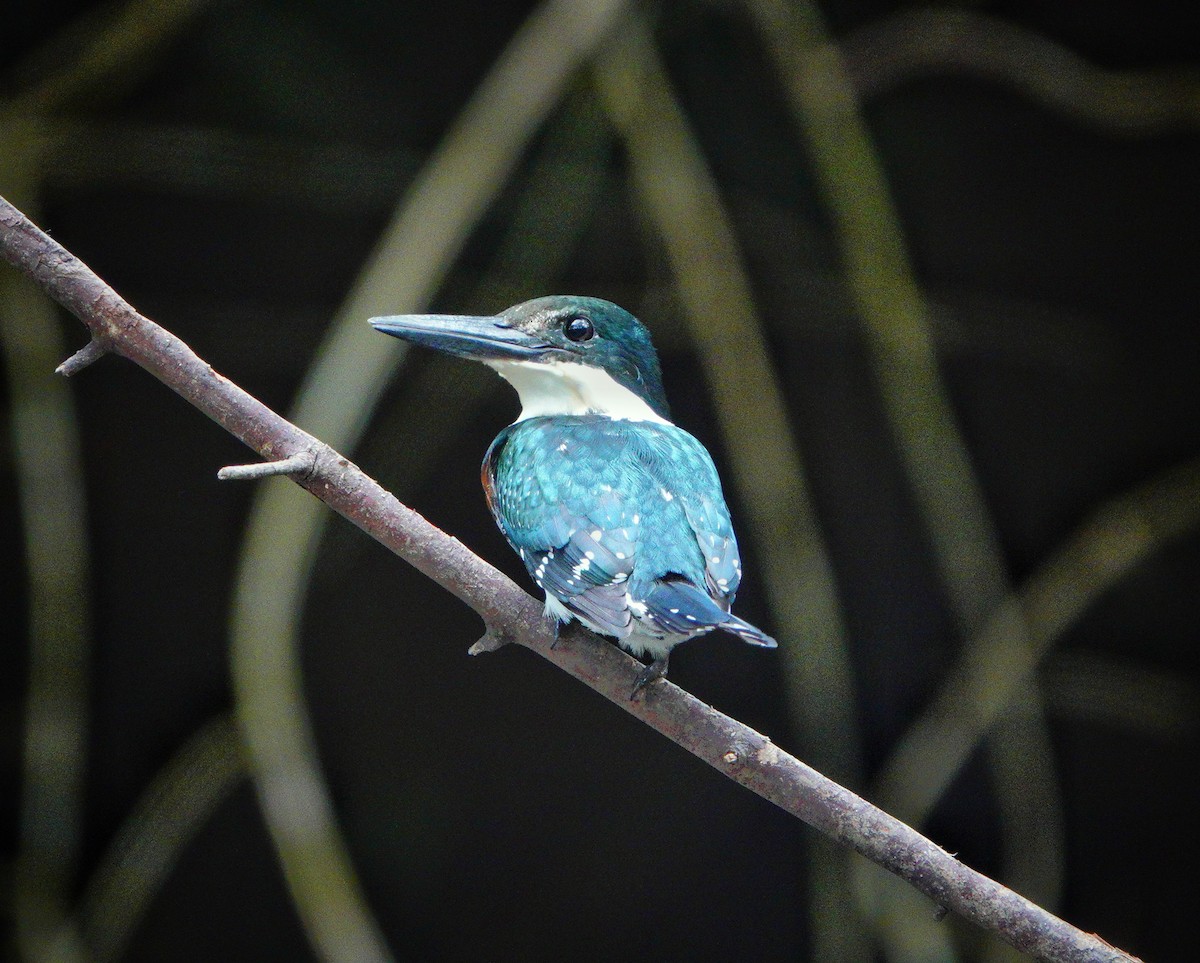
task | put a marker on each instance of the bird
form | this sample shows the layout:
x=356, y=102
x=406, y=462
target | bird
x=617, y=513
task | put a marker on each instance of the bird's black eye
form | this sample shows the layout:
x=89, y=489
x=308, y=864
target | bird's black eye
x=578, y=329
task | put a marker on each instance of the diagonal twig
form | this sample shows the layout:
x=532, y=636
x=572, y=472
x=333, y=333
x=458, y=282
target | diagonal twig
x=739, y=752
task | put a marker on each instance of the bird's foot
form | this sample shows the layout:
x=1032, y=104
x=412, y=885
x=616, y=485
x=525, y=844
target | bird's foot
x=556, y=628
x=655, y=670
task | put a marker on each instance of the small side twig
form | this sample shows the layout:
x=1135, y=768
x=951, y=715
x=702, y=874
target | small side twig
x=90, y=353
x=490, y=641
x=301, y=463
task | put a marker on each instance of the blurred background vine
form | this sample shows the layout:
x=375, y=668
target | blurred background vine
x=924, y=280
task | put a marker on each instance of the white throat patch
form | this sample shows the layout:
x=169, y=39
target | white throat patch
x=566, y=388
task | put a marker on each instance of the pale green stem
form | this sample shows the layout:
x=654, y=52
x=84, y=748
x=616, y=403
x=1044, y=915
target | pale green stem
x=140, y=858
x=554, y=207
x=48, y=466
x=100, y=55
x=119, y=46
x=965, y=545
x=340, y=392
x=1118, y=538
x=1150, y=703
x=921, y=42
x=685, y=207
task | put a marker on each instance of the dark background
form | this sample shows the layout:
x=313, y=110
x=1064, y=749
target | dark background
x=229, y=167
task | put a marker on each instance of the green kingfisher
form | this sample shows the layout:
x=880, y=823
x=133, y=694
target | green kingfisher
x=616, y=512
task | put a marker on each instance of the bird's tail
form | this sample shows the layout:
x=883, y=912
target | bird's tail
x=747, y=632
x=679, y=606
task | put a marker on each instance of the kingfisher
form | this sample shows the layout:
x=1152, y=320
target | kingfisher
x=616, y=512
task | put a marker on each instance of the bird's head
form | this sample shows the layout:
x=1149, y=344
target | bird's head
x=564, y=354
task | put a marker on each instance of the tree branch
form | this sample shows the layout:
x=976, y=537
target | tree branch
x=511, y=615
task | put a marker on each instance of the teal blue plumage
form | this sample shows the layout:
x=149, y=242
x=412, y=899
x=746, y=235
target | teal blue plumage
x=605, y=513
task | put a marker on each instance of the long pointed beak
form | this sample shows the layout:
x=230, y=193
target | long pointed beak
x=478, y=338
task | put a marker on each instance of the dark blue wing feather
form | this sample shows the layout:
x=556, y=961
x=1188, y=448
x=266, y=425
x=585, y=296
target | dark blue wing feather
x=684, y=608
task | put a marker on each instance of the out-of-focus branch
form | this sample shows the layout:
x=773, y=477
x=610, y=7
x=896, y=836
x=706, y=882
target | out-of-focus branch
x=954, y=514
x=683, y=202
x=1119, y=536
x=48, y=472
x=455, y=186
x=99, y=55
x=91, y=58
x=170, y=813
x=918, y=43
x=730, y=747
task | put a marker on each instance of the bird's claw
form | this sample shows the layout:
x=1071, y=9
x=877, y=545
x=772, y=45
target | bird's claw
x=655, y=670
